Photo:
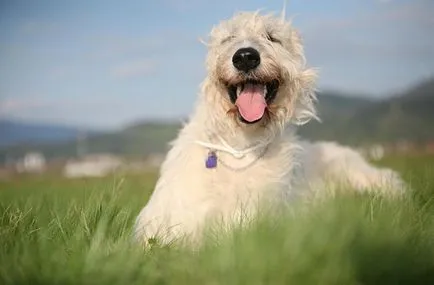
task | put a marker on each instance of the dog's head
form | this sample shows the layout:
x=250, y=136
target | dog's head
x=256, y=62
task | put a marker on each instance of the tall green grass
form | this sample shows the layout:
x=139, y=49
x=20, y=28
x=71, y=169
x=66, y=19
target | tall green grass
x=56, y=231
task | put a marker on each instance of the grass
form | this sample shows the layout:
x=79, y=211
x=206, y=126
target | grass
x=55, y=231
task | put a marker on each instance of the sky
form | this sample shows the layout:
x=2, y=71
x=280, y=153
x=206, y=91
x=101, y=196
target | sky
x=105, y=64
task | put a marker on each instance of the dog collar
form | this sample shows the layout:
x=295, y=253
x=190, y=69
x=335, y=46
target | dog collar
x=211, y=161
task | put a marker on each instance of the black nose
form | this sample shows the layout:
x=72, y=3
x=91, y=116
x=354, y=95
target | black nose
x=246, y=59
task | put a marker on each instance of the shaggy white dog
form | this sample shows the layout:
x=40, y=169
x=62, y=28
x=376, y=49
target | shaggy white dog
x=239, y=146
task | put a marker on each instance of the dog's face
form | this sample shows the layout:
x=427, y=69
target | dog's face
x=257, y=63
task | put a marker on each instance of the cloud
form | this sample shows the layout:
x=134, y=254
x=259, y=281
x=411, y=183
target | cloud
x=12, y=106
x=415, y=13
x=134, y=54
x=38, y=27
x=399, y=31
x=119, y=46
x=418, y=11
x=186, y=5
x=374, y=51
x=93, y=111
x=135, y=68
x=116, y=46
x=23, y=106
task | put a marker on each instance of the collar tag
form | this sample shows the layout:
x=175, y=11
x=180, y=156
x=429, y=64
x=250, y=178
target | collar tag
x=211, y=161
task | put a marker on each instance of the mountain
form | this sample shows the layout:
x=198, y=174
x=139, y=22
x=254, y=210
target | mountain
x=423, y=90
x=17, y=132
x=334, y=109
x=406, y=116
x=409, y=116
x=138, y=140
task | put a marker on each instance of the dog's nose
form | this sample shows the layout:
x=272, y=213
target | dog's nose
x=246, y=59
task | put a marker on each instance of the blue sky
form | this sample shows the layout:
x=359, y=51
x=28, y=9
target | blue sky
x=107, y=63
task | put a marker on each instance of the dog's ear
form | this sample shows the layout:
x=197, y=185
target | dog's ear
x=308, y=79
x=296, y=38
x=305, y=103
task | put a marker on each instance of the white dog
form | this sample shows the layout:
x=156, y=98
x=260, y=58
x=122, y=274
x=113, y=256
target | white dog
x=239, y=146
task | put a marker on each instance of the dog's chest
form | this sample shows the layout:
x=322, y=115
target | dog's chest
x=188, y=192
x=243, y=181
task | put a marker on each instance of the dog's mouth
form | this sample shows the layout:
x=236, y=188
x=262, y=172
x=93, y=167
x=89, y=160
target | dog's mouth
x=252, y=97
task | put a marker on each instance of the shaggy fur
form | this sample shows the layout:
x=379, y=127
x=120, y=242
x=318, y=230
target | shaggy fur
x=188, y=195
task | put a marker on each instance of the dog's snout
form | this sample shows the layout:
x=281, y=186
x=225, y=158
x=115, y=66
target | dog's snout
x=246, y=59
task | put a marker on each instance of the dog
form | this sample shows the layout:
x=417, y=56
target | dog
x=239, y=146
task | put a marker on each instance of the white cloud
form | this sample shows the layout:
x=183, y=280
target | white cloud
x=11, y=106
x=402, y=31
x=29, y=105
x=38, y=27
x=115, y=46
x=374, y=51
x=135, y=68
x=93, y=111
x=411, y=13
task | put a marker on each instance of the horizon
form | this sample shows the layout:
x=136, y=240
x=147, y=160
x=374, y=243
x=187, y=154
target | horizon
x=103, y=66
x=180, y=119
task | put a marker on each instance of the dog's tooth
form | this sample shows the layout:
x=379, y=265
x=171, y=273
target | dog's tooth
x=239, y=89
x=265, y=89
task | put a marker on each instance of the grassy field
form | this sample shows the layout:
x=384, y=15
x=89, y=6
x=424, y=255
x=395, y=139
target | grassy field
x=55, y=231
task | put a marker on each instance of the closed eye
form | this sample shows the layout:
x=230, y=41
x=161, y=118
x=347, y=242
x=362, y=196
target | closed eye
x=227, y=39
x=273, y=39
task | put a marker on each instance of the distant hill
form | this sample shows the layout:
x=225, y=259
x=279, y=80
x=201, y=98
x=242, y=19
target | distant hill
x=406, y=116
x=423, y=90
x=347, y=119
x=334, y=110
x=17, y=132
x=138, y=140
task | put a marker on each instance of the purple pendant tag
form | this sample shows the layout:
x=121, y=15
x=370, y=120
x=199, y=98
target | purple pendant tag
x=211, y=161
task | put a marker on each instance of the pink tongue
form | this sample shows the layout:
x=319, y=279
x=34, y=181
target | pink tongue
x=251, y=102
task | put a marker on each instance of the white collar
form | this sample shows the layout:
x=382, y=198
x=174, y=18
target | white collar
x=227, y=148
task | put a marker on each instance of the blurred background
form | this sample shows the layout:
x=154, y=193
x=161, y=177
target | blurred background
x=88, y=87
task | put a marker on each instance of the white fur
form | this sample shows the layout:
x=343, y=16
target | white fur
x=188, y=195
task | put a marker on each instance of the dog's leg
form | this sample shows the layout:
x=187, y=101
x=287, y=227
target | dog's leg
x=329, y=164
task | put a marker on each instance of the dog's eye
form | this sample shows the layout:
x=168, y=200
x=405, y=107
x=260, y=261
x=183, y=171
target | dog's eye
x=225, y=40
x=273, y=39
